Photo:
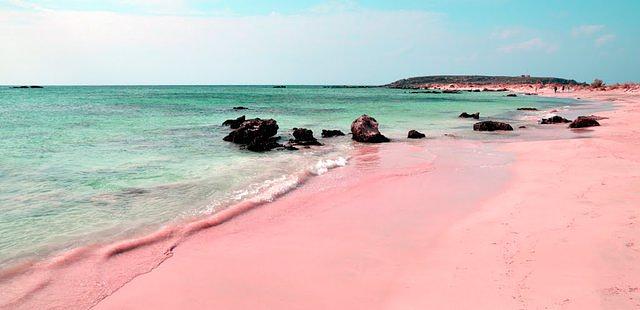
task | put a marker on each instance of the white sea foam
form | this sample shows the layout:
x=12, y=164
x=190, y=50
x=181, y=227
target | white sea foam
x=322, y=166
x=269, y=190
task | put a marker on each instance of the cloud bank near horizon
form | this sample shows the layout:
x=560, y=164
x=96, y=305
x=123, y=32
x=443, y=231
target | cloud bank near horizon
x=330, y=43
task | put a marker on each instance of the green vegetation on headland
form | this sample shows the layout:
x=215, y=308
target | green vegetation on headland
x=478, y=80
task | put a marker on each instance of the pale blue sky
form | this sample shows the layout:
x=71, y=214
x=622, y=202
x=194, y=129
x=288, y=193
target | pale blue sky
x=313, y=42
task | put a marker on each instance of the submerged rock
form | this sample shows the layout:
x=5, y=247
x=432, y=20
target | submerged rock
x=240, y=108
x=414, y=134
x=256, y=134
x=491, y=126
x=234, y=123
x=365, y=129
x=451, y=91
x=467, y=115
x=331, y=133
x=527, y=109
x=304, y=136
x=554, y=120
x=512, y=95
x=584, y=121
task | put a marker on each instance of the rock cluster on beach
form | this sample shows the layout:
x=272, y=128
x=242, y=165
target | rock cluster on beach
x=329, y=133
x=554, y=120
x=414, y=134
x=467, y=115
x=491, y=126
x=584, y=121
x=259, y=135
x=256, y=134
x=303, y=136
x=365, y=129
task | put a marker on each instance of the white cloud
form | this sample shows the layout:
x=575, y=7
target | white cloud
x=535, y=44
x=69, y=47
x=586, y=30
x=604, y=39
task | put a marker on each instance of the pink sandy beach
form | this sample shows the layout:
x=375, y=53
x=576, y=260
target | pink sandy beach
x=559, y=229
x=428, y=224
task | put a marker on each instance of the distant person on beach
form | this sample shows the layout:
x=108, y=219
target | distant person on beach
x=555, y=89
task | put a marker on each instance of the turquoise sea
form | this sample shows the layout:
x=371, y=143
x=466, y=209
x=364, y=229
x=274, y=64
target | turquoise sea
x=80, y=165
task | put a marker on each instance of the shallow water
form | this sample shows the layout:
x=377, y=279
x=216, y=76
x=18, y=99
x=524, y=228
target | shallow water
x=80, y=165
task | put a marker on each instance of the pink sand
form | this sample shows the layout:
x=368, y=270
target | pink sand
x=562, y=232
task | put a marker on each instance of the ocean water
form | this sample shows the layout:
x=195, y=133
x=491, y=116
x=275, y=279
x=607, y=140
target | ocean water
x=80, y=165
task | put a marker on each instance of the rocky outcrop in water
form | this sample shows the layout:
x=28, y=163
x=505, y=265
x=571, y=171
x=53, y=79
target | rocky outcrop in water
x=234, y=123
x=512, y=95
x=328, y=133
x=414, y=134
x=584, y=121
x=23, y=87
x=554, y=120
x=240, y=108
x=467, y=115
x=491, y=126
x=256, y=134
x=365, y=129
x=527, y=109
x=303, y=136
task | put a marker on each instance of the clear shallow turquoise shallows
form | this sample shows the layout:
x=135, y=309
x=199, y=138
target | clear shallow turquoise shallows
x=91, y=164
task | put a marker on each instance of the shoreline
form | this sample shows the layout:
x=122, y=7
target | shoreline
x=160, y=248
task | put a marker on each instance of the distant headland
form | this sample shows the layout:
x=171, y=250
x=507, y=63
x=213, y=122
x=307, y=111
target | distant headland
x=477, y=80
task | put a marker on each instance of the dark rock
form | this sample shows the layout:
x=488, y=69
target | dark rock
x=512, y=95
x=303, y=136
x=527, y=109
x=256, y=134
x=280, y=86
x=467, y=115
x=522, y=127
x=450, y=91
x=331, y=133
x=263, y=145
x=365, y=129
x=554, y=120
x=414, y=134
x=234, y=123
x=35, y=86
x=491, y=126
x=20, y=87
x=584, y=121
x=531, y=94
x=240, y=108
